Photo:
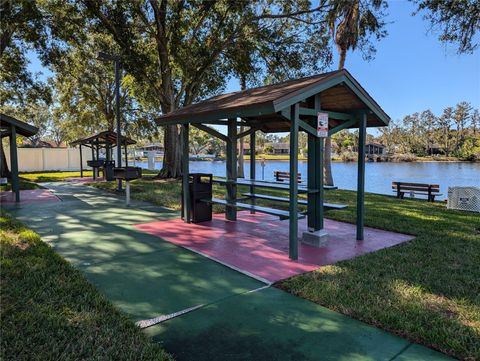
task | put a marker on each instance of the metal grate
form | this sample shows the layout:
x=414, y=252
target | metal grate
x=464, y=198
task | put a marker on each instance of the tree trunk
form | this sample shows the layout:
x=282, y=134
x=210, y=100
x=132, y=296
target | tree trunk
x=172, y=166
x=327, y=156
x=341, y=60
x=328, y=177
x=241, y=159
x=4, y=171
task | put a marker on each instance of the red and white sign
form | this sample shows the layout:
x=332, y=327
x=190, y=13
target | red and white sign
x=322, y=125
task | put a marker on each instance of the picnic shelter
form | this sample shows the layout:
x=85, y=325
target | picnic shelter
x=291, y=106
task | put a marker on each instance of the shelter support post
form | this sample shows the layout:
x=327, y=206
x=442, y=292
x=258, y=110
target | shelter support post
x=81, y=162
x=14, y=163
x=231, y=212
x=361, y=176
x=185, y=173
x=293, y=208
x=126, y=153
x=316, y=235
x=93, y=158
x=118, y=116
x=97, y=152
x=252, y=165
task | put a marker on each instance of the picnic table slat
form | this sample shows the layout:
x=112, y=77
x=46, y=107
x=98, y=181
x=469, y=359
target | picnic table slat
x=265, y=184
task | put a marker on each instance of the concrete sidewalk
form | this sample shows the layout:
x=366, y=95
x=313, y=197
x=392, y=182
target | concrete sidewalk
x=234, y=317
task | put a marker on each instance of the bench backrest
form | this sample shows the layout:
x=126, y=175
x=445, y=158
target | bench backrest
x=421, y=187
x=281, y=176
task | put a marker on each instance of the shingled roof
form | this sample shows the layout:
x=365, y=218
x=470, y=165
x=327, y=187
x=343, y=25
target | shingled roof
x=105, y=137
x=21, y=128
x=339, y=93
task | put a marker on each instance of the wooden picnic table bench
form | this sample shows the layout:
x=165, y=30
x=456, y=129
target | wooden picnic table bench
x=282, y=214
x=430, y=190
x=302, y=202
x=270, y=185
x=285, y=176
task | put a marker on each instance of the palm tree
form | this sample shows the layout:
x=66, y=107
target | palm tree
x=350, y=22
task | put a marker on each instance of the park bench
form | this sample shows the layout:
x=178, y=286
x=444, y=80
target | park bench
x=302, y=202
x=285, y=176
x=429, y=190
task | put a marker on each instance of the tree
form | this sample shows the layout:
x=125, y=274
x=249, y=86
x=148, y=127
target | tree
x=475, y=121
x=458, y=21
x=460, y=117
x=22, y=29
x=177, y=51
x=352, y=23
x=427, y=121
x=444, y=124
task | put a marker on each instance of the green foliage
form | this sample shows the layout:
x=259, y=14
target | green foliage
x=454, y=132
x=268, y=149
x=458, y=20
x=355, y=24
x=470, y=149
x=23, y=28
x=49, y=310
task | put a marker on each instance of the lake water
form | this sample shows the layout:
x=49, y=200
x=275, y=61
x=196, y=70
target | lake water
x=378, y=176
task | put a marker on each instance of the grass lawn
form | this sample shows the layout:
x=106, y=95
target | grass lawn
x=427, y=290
x=49, y=311
x=24, y=185
x=52, y=176
x=58, y=176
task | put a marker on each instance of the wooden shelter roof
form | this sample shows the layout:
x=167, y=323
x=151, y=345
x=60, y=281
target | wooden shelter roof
x=105, y=137
x=340, y=95
x=22, y=128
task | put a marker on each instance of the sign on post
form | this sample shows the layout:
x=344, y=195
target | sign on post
x=322, y=125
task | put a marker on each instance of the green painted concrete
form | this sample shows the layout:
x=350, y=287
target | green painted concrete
x=161, y=283
x=147, y=277
x=273, y=325
x=419, y=353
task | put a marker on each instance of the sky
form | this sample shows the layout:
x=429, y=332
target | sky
x=412, y=70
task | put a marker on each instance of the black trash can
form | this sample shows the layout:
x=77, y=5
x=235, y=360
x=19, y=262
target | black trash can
x=200, y=186
x=108, y=170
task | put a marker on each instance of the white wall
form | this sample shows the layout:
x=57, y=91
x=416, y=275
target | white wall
x=45, y=159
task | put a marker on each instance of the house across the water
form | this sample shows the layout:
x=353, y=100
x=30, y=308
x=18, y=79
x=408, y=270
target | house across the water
x=277, y=148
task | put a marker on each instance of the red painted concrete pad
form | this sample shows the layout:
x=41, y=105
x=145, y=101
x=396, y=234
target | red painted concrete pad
x=29, y=196
x=258, y=244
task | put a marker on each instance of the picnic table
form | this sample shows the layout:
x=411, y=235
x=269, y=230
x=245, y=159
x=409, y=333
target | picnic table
x=268, y=185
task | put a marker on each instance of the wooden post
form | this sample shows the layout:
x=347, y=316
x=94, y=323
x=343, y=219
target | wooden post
x=293, y=208
x=93, y=158
x=14, y=163
x=126, y=152
x=315, y=178
x=81, y=162
x=231, y=212
x=252, y=166
x=361, y=176
x=185, y=174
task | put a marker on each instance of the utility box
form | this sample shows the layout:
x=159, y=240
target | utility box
x=200, y=188
x=127, y=173
x=464, y=198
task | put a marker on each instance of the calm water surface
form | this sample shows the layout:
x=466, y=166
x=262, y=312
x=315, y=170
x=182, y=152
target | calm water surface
x=378, y=176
